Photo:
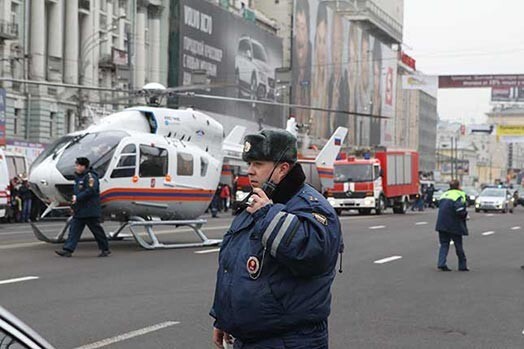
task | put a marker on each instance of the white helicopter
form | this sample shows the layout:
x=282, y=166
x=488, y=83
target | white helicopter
x=157, y=166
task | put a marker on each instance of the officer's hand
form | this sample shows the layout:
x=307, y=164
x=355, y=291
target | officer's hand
x=260, y=200
x=73, y=200
x=219, y=337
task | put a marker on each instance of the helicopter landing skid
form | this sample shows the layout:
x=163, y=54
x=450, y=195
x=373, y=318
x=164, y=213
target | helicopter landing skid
x=155, y=244
x=58, y=239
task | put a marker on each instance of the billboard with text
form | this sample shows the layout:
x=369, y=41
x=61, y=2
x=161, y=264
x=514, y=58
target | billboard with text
x=231, y=51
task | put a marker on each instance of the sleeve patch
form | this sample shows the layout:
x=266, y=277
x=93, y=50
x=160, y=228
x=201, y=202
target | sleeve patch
x=320, y=218
x=91, y=182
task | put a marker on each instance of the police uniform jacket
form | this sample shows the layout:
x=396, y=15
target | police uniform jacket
x=276, y=266
x=452, y=213
x=87, y=191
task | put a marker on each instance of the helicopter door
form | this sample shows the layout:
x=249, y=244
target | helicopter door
x=153, y=166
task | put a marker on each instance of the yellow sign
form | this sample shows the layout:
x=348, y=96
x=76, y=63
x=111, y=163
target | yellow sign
x=507, y=130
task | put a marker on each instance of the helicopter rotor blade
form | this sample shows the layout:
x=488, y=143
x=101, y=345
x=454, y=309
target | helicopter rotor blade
x=278, y=104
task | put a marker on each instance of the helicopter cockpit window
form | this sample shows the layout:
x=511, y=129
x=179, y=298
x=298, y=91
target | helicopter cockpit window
x=126, y=164
x=153, y=161
x=184, y=164
x=97, y=147
x=203, y=166
x=52, y=148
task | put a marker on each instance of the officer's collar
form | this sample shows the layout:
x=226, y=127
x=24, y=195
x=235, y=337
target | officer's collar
x=290, y=185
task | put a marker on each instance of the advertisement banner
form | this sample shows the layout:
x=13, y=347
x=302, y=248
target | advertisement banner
x=232, y=51
x=501, y=94
x=476, y=81
x=29, y=150
x=3, y=102
x=338, y=65
x=426, y=83
x=510, y=130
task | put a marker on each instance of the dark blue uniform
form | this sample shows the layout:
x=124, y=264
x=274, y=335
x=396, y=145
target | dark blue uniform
x=276, y=268
x=87, y=211
x=451, y=225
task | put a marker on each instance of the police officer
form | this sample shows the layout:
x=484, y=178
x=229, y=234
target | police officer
x=277, y=261
x=451, y=225
x=86, y=210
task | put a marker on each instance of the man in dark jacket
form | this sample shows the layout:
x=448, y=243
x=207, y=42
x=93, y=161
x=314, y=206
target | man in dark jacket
x=86, y=210
x=277, y=261
x=451, y=225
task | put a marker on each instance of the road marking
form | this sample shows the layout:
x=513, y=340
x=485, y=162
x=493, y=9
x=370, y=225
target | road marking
x=487, y=233
x=129, y=335
x=515, y=228
x=208, y=251
x=490, y=215
x=452, y=242
x=387, y=260
x=377, y=227
x=24, y=244
x=12, y=281
x=421, y=223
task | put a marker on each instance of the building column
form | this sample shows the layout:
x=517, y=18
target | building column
x=55, y=37
x=140, y=48
x=154, y=43
x=71, y=43
x=88, y=43
x=38, y=39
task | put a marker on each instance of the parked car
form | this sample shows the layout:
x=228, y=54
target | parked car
x=17, y=335
x=471, y=194
x=519, y=197
x=252, y=70
x=495, y=199
x=440, y=188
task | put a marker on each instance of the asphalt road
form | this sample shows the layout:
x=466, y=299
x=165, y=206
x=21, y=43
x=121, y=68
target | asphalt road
x=161, y=299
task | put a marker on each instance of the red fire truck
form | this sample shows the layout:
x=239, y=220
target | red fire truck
x=375, y=181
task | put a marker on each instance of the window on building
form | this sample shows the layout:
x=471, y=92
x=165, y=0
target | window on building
x=126, y=165
x=52, y=121
x=14, y=12
x=70, y=121
x=153, y=161
x=184, y=164
x=204, y=163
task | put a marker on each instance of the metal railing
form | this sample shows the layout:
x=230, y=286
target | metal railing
x=375, y=14
x=8, y=30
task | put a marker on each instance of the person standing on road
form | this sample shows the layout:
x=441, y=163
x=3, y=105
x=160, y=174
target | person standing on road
x=451, y=225
x=277, y=260
x=86, y=210
x=225, y=194
x=27, y=199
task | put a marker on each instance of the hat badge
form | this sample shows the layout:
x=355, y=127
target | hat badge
x=247, y=147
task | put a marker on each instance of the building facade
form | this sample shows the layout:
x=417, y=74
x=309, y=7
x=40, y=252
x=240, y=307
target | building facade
x=104, y=45
x=427, y=130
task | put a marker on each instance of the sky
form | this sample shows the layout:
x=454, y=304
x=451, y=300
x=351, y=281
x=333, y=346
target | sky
x=465, y=37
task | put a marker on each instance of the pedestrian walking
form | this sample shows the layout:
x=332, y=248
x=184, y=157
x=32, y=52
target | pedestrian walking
x=451, y=225
x=27, y=198
x=225, y=194
x=86, y=210
x=277, y=260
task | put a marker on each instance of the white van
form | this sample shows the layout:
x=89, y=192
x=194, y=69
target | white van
x=4, y=184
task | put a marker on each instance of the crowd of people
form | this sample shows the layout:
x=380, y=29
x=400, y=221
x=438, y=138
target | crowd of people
x=21, y=206
x=424, y=198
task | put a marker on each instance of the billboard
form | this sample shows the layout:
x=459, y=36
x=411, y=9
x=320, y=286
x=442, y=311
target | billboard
x=233, y=51
x=507, y=94
x=475, y=81
x=3, y=102
x=338, y=65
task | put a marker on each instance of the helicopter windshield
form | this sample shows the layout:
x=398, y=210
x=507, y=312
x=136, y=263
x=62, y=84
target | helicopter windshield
x=52, y=148
x=97, y=147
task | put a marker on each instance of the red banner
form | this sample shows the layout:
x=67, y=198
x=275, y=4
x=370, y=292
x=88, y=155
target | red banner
x=476, y=81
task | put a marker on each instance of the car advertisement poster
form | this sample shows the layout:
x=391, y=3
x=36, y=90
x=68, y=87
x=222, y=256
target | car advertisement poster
x=234, y=52
x=338, y=65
